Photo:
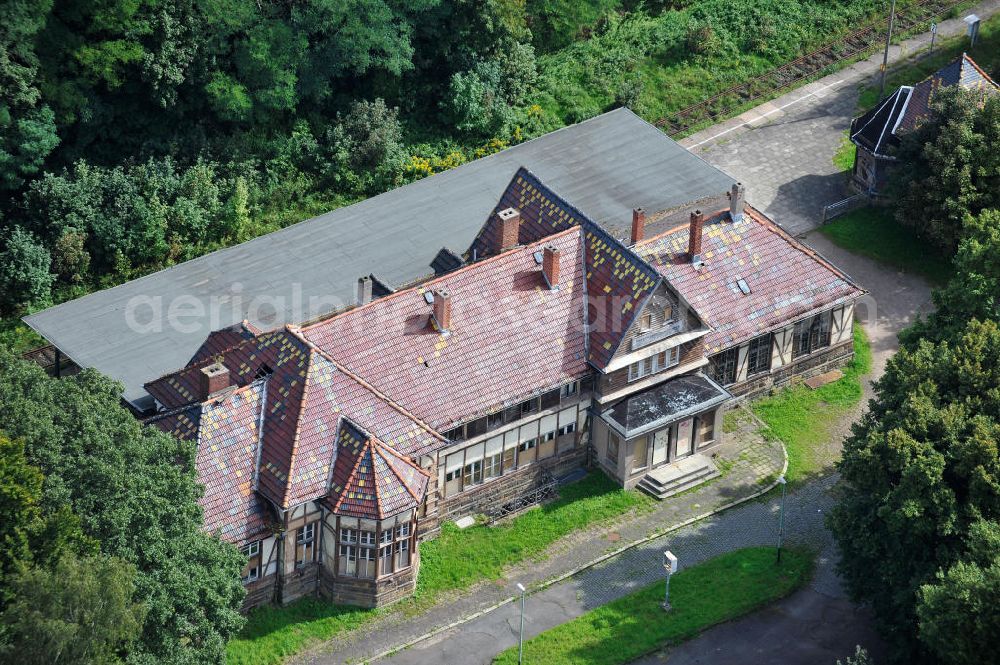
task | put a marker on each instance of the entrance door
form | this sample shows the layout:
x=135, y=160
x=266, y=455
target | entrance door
x=661, y=445
x=685, y=438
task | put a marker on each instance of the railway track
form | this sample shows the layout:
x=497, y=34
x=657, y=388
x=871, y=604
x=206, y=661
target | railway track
x=860, y=43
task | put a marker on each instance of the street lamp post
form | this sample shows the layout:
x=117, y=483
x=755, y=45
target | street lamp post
x=520, y=632
x=781, y=515
x=885, y=56
x=670, y=565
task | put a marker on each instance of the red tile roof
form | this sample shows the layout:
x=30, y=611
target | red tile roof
x=511, y=336
x=226, y=432
x=370, y=479
x=786, y=278
x=618, y=281
x=224, y=338
x=307, y=393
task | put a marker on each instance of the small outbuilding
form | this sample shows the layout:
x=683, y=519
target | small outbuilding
x=877, y=132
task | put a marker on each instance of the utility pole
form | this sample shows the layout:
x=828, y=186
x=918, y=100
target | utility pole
x=885, y=56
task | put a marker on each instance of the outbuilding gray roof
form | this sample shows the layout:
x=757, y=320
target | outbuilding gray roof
x=606, y=166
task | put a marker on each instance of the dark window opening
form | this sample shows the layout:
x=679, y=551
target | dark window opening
x=475, y=428
x=759, y=355
x=550, y=399
x=811, y=334
x=723, y=366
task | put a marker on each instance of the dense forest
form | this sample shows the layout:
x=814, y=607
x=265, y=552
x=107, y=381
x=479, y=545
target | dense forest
x=139, y=133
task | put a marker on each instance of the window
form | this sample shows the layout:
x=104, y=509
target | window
x=366, y=562
x=568, y=428
x=640, y=451
x=530, y=406
x=475, y=428
x=723, y=366
x=251, y=551
x=457, y=434
x=305, y=545
x=570, y=389
x=473, y=474
x=348, y=536
x=512, y=413
x=759, y=355
x=526, y=452
x=612, y=451
x=645, y=322
x=492, y=467
x=402, y=554
x=706, y=427
x=386, y=536
x=494, y=420
x=403, y=531
x=348, y=565
x=654, y=364
x=550, y=399
x=385, y=559
x=367, y=538
x=811, y=334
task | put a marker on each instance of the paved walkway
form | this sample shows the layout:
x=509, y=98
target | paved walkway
x=748, y=463
x=782, y=150
x=752, y=524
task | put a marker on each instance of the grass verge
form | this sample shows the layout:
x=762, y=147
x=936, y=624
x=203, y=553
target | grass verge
x=843, y=159
x=873, y=232
x=986, y=53
x=804, y=419
x=635, y=625
x=455, y=560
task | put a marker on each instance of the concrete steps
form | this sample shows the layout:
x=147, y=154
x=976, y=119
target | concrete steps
x=672, y=479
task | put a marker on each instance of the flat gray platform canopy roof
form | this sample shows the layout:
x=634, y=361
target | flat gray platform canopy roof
x=604, y=166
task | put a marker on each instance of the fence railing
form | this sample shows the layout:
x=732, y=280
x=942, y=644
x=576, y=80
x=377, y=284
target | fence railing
x=845, y=206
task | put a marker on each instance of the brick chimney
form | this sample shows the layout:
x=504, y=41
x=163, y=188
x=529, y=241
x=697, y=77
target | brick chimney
x=737, y=201
x=364, y=290
x=694, y=236
x=638, y=225
x=214, y=379
x=550, y=266
x=442, y=309
x=510, y=224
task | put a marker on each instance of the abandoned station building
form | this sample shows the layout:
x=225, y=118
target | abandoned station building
x=550, y=343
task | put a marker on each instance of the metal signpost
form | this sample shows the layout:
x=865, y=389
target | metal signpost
x=520, y=633
x=781, y=515
x=670, y=565
x=933, y=35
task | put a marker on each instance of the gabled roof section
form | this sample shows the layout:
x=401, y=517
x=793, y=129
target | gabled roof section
x=225, y=338
x=786, y=279
x=618, y=280
x=227, y=432
x=307, y=393
x=905, y=109
x=618, y=284
x=371, y=480
x=543, y=213
x=510, y=336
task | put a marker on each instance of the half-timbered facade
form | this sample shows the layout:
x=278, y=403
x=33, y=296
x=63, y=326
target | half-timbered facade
x=329, y=450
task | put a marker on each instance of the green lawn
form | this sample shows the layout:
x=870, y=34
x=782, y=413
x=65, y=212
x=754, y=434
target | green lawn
x=804, y=418
x=873, y=232
x=455, y=560
x=843, y=159
x=718, y=590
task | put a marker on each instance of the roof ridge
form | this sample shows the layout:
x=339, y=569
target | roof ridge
x=979, y=69
x=351, y=475
x=204, y=362
x=298, y=431
x=388, y=400
x=428, y=284
x=679, y=227
x=402, y=480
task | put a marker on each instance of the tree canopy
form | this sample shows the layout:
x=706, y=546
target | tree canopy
x=135, y=493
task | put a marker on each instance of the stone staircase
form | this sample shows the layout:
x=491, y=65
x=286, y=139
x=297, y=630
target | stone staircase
x=671, y=479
